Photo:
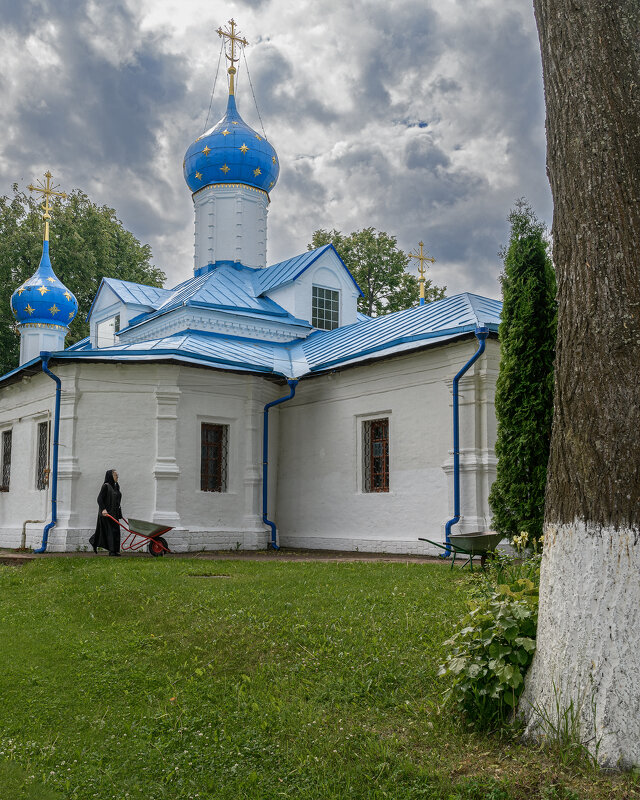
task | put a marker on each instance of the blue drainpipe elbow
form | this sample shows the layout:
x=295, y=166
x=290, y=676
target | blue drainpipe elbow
x=265, y=462
x=54, y=471
x=481, y=335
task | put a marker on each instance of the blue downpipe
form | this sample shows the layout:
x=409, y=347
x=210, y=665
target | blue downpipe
x=54, y=471
x=265, y=462
x=481, y=335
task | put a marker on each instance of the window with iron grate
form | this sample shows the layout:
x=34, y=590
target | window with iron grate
x=42, y=463
x=214, y=447
x=375, y=453
x=6, y=461
x=325, y=308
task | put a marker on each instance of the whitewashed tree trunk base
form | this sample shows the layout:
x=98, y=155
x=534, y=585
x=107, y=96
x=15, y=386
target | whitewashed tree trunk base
x=588, y=648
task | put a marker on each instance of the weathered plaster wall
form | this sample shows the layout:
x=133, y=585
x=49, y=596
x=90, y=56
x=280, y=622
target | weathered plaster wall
x=321, y=502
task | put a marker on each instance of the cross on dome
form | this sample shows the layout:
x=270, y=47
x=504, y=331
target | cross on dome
x=230, y=38
x=48, y=191
x=421, y=258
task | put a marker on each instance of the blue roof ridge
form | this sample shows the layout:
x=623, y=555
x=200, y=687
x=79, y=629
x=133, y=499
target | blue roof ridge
x=292, y=268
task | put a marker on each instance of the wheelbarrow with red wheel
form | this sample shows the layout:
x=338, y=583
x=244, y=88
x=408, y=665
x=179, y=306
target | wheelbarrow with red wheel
x=141, y=532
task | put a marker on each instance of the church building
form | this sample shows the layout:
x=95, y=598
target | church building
x=251, y=404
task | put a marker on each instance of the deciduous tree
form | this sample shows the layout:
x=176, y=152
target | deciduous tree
x=379, y=268
x=88, y=242
x=588, y=655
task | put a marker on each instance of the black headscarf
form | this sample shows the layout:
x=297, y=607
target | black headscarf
x=108, y=478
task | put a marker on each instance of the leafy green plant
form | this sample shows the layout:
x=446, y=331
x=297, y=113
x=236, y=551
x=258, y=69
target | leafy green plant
x=494, y=645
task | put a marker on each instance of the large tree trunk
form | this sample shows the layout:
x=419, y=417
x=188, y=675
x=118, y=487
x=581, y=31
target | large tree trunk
x=588, y=655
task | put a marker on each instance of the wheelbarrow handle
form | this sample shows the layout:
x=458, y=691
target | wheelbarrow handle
x=448, y=545
x=124, y=527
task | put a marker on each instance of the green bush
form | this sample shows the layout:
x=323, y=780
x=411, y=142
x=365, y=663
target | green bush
x=494, y=644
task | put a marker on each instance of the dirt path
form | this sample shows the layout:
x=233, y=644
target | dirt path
x=16, y=558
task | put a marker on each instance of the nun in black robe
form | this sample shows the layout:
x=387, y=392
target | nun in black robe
x=107, y=533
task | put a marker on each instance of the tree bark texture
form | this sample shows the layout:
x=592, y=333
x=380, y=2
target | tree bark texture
x=591, y=66
x=588, y=653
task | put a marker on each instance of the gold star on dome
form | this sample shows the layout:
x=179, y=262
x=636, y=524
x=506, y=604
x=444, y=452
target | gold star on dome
x=43, y=290
x=20, y=290
x=225, y=168
x=68, y=295
x=199, y=137
x=259, y=138
x=234, y=122
x=244, y=148
x=257, y=171
x=271, y=184
x=51, y=280
x=273, y=159
x=54, y=310
x=29, y=310
x=199, y=176
x=206, y=150
x=71, y=313
x=225, y=132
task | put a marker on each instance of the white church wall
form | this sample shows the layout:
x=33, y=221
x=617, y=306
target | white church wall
x=115, y=429
x=23, y=406
x=232, y=518
x=321, y=502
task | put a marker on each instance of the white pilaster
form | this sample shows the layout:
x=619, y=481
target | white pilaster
x=166, y=470
x=253, y=413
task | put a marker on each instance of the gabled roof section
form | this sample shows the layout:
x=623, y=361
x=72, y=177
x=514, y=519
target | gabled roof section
x=288, y=271
x=133, y=293
x=226, y=287
x=402, y=330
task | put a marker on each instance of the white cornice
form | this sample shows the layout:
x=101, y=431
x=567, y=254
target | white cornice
x=212, y=321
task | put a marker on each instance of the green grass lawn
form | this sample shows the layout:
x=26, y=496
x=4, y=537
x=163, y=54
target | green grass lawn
x=133, y=678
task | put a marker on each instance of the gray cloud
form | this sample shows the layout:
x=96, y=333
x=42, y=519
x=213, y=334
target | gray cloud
x=422, y=119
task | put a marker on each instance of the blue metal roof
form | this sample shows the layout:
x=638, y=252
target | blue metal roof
x=137, y=293
x=322, y=350
x=227, y=287
x=401, y=330
x=133, y=293
x=287, y=271
x=196, y=347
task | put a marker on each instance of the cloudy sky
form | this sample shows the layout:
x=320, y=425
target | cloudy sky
x=423, y=118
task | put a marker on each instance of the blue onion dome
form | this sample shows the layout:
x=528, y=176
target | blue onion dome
x=43, y=299
x=231, y=152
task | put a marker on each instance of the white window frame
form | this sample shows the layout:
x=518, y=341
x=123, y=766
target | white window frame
x=314, y=317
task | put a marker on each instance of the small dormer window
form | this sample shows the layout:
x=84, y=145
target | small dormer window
x=325, y=308
x=107, y=331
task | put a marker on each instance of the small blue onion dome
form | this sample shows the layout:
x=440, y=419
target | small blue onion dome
x=231, y=152
x=43, y=299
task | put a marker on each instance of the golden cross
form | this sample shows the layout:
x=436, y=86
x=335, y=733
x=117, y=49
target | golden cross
x=48, y=191
x=232, y=37
x=421, y=258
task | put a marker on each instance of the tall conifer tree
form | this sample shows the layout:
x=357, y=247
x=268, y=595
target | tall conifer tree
x=524, y=390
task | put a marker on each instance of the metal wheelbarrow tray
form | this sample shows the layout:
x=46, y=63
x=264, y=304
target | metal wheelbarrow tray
x=470, y=544
x=141, y=532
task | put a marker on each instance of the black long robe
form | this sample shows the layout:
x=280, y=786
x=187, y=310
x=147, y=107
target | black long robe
x=107, y=533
